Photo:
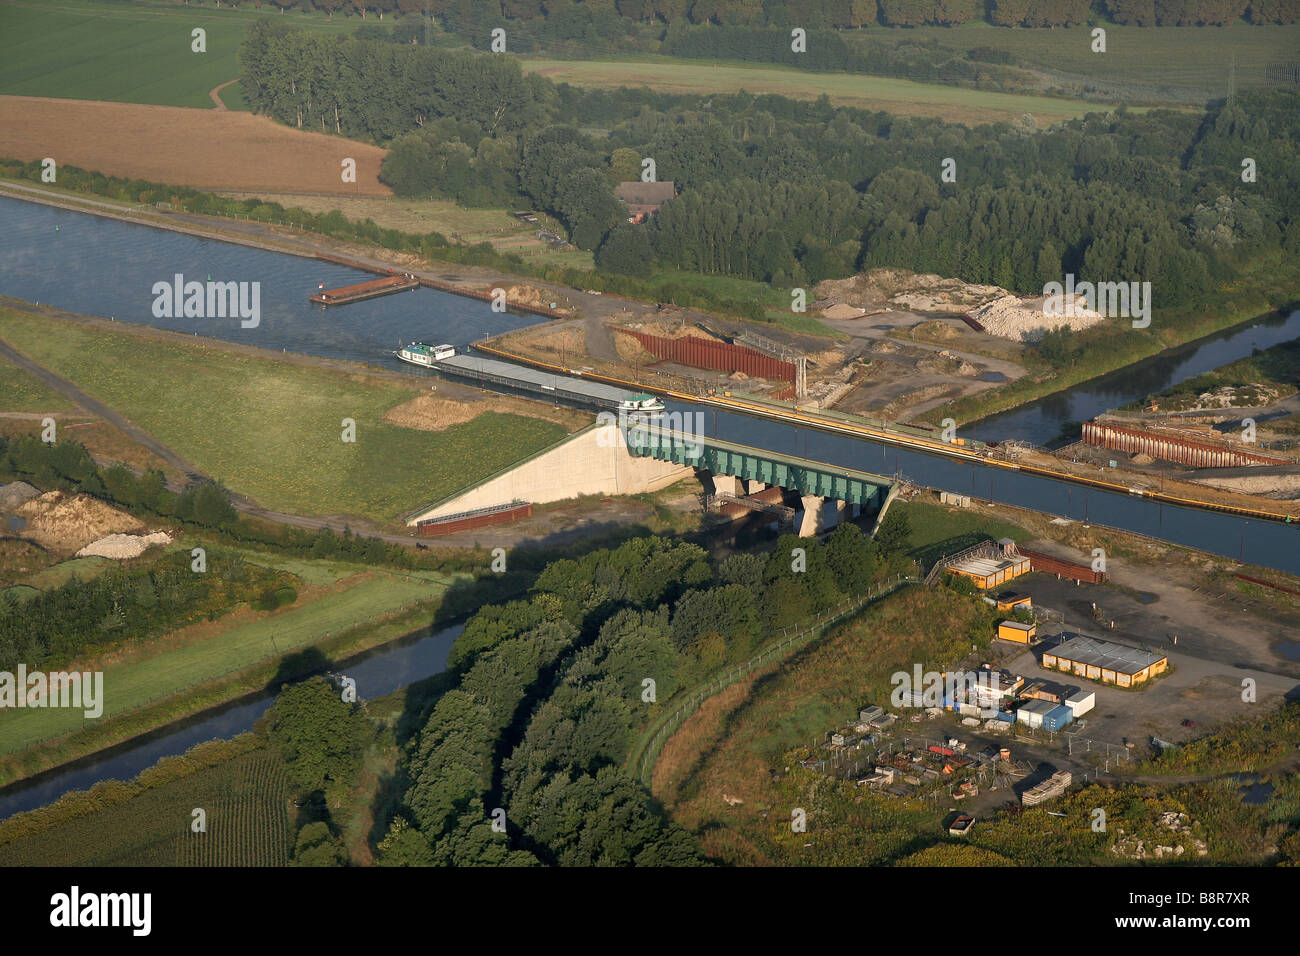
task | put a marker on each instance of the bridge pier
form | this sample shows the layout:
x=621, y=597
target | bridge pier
x=728, y=485
x=810, y=521
x=843, y=511
x=756, y=486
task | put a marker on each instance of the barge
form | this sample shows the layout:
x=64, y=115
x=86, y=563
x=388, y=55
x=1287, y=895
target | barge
x=566, y=388
x=366, y=290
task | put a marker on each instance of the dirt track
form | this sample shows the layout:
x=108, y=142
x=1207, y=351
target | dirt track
x=207, y=149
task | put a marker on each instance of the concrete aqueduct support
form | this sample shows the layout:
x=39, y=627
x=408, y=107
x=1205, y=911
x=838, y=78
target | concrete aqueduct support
x=810, y=521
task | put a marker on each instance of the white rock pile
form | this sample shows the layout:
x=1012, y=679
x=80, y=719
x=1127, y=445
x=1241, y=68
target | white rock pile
x=121, y=546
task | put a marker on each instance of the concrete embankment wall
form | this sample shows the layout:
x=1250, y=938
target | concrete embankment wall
x=592, y=462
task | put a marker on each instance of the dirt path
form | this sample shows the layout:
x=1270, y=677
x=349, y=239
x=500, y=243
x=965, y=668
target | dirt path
x=67, y=389
x=215, y=93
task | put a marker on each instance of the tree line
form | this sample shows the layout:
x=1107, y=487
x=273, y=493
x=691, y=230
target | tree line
x=602, y=16
x=793, y=192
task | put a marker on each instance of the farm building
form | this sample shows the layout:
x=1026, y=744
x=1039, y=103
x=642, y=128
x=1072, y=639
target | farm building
x=1016, y=633
x=644, y=199
x=1105, y=661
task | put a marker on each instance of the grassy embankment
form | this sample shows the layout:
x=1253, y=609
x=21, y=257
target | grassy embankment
x=272, y=430
x=342, y=609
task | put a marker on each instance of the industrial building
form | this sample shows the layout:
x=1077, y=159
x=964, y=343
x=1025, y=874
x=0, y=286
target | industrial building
x=1016, y=633
x=1105, y=661
x=989, y=565
x=1010, y=601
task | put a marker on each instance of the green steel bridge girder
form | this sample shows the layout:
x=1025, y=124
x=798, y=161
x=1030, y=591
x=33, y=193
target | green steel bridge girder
x=769, y=469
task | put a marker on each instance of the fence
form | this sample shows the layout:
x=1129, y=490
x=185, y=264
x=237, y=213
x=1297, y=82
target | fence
x=790, y=639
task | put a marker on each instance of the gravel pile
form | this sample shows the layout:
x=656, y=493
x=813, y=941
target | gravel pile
x=1025, y=321
x=15, y=493
x=121, y=546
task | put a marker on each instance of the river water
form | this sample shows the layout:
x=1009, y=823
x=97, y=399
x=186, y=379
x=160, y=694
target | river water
x=100, y=266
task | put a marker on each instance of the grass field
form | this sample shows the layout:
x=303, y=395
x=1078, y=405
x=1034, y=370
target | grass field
x=272, y=430
x=421, y=216
x=904, y=97
x=130, y=54
x=1183, y=63
x=248, y=807
x=186, y=661
x=938, y=530
x=20, y=392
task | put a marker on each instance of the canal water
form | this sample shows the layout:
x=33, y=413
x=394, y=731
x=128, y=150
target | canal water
x=377, y=672
x=1269, y=544
x=105, y=267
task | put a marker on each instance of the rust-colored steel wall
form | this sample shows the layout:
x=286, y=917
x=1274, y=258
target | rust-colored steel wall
x=1066, y=569
x=1184, y=451
x=719, y=356
x=428, y=529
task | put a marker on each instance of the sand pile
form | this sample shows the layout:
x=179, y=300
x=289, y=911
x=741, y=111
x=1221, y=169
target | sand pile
x=69, y=522
x=908, y=290
x=15, y=493
x=1025, y=321
x=433, y=414
x=120, y=546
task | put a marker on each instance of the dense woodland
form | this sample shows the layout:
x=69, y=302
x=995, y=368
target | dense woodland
x=612, y=16
x=794, y=192
x=550, y=696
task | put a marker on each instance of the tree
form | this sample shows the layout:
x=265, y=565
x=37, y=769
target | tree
x=318, y=846
x=626, y=250
x=895, y=533
x=320, y=736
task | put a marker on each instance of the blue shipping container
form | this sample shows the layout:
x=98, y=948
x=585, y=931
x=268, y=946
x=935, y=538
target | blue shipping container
x=1057, y=717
